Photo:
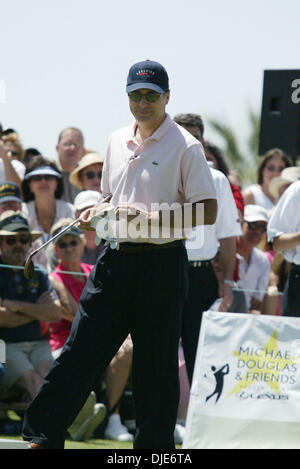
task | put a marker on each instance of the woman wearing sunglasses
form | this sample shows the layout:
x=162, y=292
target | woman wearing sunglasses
x=87, y=175
x=42, y=190
x=271, y=165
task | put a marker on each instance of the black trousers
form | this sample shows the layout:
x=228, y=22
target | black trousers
x=203, y=291
x=291, y=293
x=141, y=294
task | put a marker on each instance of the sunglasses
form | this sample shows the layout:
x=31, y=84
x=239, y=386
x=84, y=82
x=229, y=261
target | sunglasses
x=93, y=175
x=137, y=96
x=64, y=245
x=273, y=168
x=12, y=240
x=254, y=225
x=39, y=177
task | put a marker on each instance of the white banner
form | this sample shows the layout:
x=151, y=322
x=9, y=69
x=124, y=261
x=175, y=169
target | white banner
x=246, y=385
x=2, y=351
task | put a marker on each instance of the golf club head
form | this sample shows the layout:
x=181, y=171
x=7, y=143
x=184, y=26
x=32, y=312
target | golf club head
x=29, y=268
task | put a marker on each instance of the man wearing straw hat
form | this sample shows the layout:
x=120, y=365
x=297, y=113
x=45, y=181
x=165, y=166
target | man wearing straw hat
x=24, y=304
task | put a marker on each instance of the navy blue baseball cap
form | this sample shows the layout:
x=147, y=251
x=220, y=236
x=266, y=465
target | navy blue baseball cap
x=9, y=191
x=147, y=74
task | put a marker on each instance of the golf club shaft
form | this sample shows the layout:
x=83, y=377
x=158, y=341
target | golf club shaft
x=106, y=199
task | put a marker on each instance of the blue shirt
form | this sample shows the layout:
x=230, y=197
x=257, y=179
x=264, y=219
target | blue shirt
x=14, y=286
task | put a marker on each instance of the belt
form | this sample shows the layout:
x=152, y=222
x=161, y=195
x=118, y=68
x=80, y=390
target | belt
x=136, y=248
x=199, y=263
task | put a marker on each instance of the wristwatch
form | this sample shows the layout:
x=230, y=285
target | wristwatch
x=231, y=283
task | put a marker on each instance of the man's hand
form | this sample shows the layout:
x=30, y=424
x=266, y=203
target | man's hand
x=46, y=297
x=87, y=215
x=225, y=292
x=130, y=212
x=11, y=305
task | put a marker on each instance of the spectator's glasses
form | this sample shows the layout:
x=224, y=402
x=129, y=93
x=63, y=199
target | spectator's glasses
x=12, y=240
x=254, y=225
x=64, y=245
x=93, y=175
x=137, y=96
x=39, y=177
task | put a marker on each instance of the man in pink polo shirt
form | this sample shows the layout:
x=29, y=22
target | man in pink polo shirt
x=159, y=182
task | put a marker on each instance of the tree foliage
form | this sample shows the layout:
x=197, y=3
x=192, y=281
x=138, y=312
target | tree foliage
x=242, y=158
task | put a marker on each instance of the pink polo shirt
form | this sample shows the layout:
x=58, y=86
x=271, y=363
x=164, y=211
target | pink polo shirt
x=168, y=167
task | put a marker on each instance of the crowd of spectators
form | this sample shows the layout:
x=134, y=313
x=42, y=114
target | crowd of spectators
x=235, y=268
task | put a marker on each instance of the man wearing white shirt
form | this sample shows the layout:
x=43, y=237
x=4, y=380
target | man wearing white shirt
x=139, y=287
x=70, y=149
x=203, y=284
x=284, y=233
x=254, y=266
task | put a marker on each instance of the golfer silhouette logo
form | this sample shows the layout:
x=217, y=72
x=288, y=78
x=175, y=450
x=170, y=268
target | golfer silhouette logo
x=219, y=377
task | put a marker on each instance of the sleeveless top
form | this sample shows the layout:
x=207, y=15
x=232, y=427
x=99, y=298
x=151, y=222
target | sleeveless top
x=260, y=197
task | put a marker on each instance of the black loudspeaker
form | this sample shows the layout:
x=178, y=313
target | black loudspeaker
x=280, y=114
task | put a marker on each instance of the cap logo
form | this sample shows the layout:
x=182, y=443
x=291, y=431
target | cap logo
x=145, y=73
x=7, y=186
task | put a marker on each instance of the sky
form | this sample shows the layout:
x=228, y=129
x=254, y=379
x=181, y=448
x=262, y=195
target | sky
x=65, y=63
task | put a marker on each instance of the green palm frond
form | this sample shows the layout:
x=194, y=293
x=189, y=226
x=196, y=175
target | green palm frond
x=231, y=150
x=243, y=161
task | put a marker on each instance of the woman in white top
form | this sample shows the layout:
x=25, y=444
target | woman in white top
x=42, y=189
x=271, y=165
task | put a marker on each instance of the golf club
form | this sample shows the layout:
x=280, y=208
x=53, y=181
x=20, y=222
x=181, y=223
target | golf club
x=29, y=266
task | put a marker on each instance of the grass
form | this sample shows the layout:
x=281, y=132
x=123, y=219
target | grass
x=90, y=444
x=94, y=443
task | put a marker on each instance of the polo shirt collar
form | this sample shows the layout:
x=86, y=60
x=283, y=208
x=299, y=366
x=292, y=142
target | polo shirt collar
x=158, y=134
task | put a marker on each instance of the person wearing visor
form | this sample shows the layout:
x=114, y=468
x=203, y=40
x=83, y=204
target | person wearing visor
x=140, y=287
x=24, y=304
x=42, y=190
x=88, y=172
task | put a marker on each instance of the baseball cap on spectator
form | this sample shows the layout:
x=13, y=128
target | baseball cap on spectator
x=60, y=225
x=255, y=213
x=11, y=223
x=147, y=74
x=10, y=192
x=86, y=199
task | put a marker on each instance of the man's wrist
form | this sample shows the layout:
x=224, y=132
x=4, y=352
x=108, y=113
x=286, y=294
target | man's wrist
x=231, y=283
